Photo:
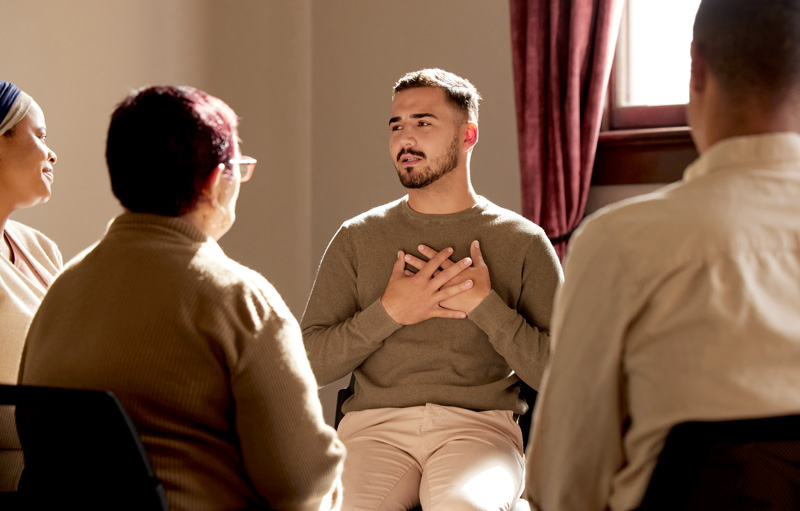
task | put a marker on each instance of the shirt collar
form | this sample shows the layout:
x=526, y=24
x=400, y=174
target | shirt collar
x=770, y=149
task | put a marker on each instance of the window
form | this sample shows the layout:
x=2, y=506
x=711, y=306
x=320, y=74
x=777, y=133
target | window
x=645, y=139
x=650, y=82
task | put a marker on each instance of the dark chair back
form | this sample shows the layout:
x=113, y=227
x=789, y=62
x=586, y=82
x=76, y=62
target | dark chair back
x=737, y=465
x=525, y=420
x=341, y=397
x=81, y=450
x=11, y=458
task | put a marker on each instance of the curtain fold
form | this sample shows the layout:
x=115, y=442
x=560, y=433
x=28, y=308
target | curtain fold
x=562, y=54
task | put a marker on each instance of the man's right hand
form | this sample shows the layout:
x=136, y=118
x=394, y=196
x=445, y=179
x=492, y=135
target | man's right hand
x=411, y=299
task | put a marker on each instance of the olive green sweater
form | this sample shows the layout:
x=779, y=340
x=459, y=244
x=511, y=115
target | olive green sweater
x=203, y=354
x=473, y=363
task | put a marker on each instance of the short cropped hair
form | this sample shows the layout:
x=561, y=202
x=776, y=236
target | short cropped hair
x=460, y=93
x=163, y=143
x=752, y=46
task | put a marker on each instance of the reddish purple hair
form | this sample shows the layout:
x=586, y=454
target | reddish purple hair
x=163, y=143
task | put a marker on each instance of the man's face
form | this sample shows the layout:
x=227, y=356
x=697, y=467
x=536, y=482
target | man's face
x=424, y=140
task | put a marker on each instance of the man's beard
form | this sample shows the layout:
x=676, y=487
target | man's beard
x=442, y=166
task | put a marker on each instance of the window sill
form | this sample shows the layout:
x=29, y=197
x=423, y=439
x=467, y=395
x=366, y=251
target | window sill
x=658, y=136
x=643, y=156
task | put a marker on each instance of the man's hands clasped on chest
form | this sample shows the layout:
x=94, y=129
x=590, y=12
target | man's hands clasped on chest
x=441, y=288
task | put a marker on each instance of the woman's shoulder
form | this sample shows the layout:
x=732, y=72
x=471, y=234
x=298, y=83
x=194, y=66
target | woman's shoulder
x=22, y=232
x=232, y=281
x=33, y=241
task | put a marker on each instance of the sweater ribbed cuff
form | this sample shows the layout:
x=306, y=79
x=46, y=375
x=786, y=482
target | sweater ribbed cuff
x=491, y=314
x=377, y=321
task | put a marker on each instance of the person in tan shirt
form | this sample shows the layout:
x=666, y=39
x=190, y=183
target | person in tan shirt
x=202, y=351
x=684, y=304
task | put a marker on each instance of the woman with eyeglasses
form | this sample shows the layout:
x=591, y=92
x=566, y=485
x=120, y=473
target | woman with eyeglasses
x=30, y=260
x=202, y=352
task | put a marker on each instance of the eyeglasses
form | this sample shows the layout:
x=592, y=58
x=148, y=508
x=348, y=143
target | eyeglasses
x=243, y=166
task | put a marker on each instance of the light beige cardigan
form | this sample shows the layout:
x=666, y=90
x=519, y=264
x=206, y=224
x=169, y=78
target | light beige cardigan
x=19, y=296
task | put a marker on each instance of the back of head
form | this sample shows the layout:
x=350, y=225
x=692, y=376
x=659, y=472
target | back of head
x=461, y=94
x=752, y=46
x=163, y=143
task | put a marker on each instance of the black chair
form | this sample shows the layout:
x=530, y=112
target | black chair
x=11, y=458
x=342, y=396
x=737, y=465
x=524, y=421
x=81, y=451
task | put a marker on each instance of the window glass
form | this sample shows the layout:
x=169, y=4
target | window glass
x=653, y=59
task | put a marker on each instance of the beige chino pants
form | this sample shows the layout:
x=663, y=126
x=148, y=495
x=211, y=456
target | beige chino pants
x=446, y=458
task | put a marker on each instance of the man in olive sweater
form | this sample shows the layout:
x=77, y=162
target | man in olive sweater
x=440, y=303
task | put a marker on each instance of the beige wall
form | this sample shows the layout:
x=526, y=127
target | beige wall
x=79, y=58
x=311, y=81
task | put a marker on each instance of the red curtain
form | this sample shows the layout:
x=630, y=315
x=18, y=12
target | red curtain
x=562, y=55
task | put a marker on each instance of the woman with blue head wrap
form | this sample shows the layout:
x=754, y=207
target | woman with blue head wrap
x=30, y=260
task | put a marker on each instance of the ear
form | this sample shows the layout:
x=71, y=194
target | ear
x=699, y=71
x=210, y=190
x=470, y=135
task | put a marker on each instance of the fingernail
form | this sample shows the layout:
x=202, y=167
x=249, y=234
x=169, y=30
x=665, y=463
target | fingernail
x=449, y=249
x=467, y=261
x=420, y=247
x=407, y=257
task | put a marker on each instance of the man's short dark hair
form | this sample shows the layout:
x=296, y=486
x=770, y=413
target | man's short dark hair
x=163, y=143
x=752, y=46
x=459, y=91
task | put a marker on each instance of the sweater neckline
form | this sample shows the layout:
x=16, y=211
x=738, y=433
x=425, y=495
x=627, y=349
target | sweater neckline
x=177, y=224
x=474, y=210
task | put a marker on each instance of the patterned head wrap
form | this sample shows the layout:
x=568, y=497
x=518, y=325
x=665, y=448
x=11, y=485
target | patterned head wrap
x=14, y=105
